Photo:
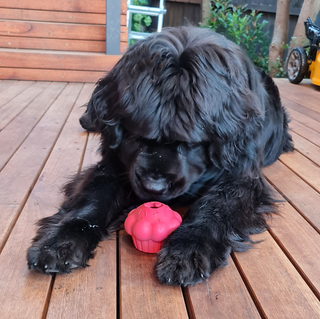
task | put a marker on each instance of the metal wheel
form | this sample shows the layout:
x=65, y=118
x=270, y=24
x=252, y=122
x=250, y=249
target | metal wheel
x=297, y=65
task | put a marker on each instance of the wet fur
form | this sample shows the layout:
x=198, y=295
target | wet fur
x=186, y=119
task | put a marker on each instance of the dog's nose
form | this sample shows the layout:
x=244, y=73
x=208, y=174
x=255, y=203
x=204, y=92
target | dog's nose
x=157, y=186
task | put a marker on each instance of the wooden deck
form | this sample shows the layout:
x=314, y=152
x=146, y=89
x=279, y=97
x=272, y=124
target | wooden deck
x=41, y=144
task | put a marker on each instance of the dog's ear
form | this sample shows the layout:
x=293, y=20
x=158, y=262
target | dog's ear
x=99, y=115
x=93, y=118
x=114, y=134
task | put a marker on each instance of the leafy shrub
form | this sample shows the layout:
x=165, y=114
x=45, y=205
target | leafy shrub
x=139, y=21
x=241, y=27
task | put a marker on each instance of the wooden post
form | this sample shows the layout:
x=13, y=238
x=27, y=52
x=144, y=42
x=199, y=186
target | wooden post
x=113, y=9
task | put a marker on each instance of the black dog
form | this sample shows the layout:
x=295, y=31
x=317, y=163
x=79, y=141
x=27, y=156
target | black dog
x=185, y=119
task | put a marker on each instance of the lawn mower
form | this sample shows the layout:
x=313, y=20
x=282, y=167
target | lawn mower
x=302, y=64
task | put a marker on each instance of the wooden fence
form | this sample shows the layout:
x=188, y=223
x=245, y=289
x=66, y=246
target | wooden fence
x=180, y=12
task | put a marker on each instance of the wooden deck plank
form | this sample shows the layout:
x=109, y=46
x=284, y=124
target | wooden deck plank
x=15, y=106
x=5, y=84
x=276, y=284
x=308, y=133
x=302, y=110
x=32, y=289
x=141, y=295
x=18, y=176
x=296, y=191
x=306, y=148
x=87, y=293
x=305, y=120
x=223, y=295
x=306, y=84
x=300, y=241
x=19, y=128
x=13, y=91
x=303, y=167
x=299, y=95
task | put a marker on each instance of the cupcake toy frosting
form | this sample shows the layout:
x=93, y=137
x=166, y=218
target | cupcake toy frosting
x=150, y=224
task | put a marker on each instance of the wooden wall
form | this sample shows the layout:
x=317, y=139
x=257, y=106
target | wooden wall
x=180, y=12
x=40, y=36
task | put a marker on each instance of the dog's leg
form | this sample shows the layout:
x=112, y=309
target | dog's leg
x=215, y=225
x=67, y=239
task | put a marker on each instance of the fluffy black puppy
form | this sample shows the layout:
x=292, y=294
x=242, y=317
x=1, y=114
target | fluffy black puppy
x=185, y=119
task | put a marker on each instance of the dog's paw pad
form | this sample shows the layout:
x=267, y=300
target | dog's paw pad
x=56, y=258
x=177, y=269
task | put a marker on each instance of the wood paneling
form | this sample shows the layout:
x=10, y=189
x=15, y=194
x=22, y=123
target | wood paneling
x=96, y=6
x=52, y=44
x=50, y=75
x=52, y=30
x=59, y=61
x=51, y=27
x=181, y=13
x=52, y=16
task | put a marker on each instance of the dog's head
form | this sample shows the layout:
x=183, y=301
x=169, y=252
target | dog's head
x=162, y=170
x=175, y=104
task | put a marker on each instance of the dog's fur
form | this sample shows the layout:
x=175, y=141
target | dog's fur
x=186, y=119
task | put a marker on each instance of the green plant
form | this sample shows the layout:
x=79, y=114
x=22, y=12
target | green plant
x=140, y=21
x=278, y=65
x=241, y=27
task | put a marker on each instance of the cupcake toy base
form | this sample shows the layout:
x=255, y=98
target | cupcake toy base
x=147, y=246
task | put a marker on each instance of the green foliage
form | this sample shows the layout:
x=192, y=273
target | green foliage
x=140, y=2
x=241, y=27
x=140, y=21
x=278, y=66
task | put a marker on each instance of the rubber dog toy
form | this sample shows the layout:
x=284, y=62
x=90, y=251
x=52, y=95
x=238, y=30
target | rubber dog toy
x=150, y=224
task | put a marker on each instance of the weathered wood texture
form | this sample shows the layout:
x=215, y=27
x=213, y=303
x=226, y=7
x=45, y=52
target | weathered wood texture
x=56, y=28
x=42, y=144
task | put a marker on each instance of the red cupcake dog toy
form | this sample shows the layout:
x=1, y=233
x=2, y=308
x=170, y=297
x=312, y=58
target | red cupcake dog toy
x=150, y=224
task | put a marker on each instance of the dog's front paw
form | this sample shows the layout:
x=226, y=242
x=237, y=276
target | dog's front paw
x=62, y=248
x=186, y=260
x=174, y=267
